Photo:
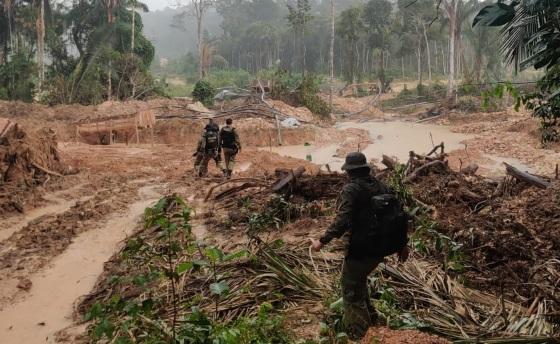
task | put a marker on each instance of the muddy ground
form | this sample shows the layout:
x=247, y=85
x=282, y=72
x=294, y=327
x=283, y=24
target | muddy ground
x=52, y=250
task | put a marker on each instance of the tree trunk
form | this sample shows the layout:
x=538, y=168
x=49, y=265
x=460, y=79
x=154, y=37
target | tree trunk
x=381, y=72
x=452, y=14
x=419, y=62
x=109, y=84
x=133, y=29
x=331, y=57
x=40, y=25
x=303, y=51
x=435, y=55
x=443, y=61
x=428, y=53
x=10, y=29
x=357, y=66
x=132, y=37
x=402, y=66
x=199, y=36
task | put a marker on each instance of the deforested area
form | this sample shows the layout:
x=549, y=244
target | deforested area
x=270, y=172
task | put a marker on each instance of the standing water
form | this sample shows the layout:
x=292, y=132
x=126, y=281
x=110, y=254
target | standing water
x=394, y=139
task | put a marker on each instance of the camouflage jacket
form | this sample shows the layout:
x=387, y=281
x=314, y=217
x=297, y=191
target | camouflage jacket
x=354, y=211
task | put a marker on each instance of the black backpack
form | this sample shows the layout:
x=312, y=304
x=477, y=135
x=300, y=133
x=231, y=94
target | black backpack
x=211, y=138
x=383, y=223
x=388, y=233
x=227, y=136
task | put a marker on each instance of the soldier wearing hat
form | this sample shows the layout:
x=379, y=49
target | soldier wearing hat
x=354, y=216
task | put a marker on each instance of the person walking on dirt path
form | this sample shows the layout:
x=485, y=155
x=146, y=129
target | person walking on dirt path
x=208, y=148
x=368, y=238
x=229, y=141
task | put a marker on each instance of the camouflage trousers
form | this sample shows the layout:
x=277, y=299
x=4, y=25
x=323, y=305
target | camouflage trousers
x=229, y=159
x=202, y=159
x=359, y=313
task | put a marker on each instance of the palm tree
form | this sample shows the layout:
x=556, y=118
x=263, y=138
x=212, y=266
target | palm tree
x=530, y=34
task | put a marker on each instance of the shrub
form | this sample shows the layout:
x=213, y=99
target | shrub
x=468, y=104
x=309, y=97
x=204, y=92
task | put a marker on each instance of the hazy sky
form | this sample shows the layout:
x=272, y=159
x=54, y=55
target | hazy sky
x=155, y=5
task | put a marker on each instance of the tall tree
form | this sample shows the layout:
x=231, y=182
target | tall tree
x=298, y=17
x=350, y=28
x=377, y=17
x=452, y=10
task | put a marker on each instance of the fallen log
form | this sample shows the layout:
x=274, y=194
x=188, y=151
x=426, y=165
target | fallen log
x=423, y=168
x=469, y=196
x=281, y=183
x=526, y=177
x=234, y=180
x=236, y=189
x=389, y=162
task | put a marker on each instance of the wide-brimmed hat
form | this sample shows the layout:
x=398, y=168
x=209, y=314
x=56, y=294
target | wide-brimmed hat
x=354, y=160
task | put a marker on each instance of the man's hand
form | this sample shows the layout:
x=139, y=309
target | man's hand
x=316, y=245
x=403, y=254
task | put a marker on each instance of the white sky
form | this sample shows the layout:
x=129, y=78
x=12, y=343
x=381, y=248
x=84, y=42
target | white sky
x=155, y=5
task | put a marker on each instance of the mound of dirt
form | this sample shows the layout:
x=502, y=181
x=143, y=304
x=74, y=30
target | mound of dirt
x=26, y=160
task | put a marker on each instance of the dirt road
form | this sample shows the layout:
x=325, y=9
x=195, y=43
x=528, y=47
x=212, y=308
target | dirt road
x=49, y=307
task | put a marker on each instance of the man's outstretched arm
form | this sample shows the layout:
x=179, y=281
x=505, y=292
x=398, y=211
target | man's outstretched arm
x=341, y=223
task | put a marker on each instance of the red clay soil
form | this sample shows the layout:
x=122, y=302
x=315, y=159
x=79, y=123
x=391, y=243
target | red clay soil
x=27, y=159
x=384, y=335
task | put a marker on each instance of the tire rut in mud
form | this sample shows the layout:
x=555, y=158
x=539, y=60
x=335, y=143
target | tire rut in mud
x=35, y=245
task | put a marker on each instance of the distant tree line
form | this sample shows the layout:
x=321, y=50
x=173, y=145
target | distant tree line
x=376, y=40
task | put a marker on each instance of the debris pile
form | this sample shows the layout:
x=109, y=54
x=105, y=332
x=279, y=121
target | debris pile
x=26, y=160
x=508, y=230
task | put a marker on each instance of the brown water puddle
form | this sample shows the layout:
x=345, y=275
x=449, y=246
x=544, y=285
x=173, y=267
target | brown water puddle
x=394, y=139
x=49, y=305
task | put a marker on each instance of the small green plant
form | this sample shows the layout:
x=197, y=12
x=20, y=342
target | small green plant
x=204, y=92
x=212, y=257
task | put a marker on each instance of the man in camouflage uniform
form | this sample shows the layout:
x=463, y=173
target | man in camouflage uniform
x=354, y=216
x=229, y=141
x=208, y=148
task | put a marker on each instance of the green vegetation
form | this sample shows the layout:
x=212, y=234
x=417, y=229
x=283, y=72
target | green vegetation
x=527, y=22
x=204, y=92
x=94, y=55
x=16, y=77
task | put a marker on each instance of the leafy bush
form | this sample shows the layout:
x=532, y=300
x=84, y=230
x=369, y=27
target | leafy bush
x=422, y=90
x=297, y=91
x=309, y=97
x=545, y=104
x=468, y=104
x=204, y=92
